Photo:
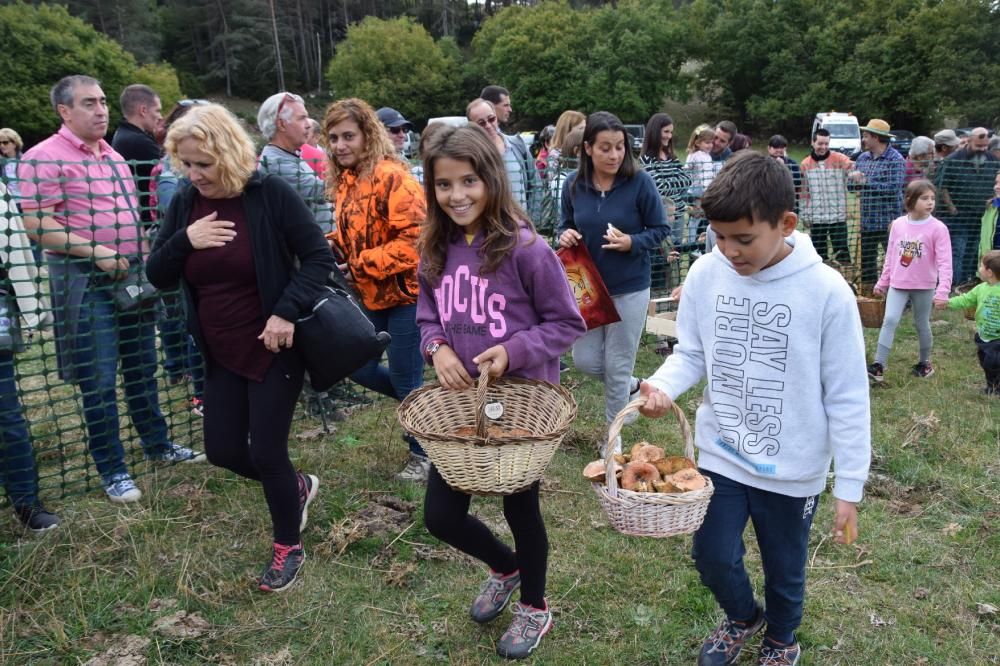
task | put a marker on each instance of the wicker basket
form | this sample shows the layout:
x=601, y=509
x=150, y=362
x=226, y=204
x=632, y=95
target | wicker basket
x=872, y=311
x=651, y=514
x=480, y=464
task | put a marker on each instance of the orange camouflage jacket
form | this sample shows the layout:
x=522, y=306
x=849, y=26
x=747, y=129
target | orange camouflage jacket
x=378, y=222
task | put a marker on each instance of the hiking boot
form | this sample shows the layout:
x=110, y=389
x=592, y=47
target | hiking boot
x=525, y=631
x=876, y=372
x=416, y=470
x=283, y=569
x=197, y=406
x=724, y=645
x=775, y=655
x=923, y=369
x=121, y=489
x=176, y=453
x=493, y=596
x=308, y=487
x=36, y=517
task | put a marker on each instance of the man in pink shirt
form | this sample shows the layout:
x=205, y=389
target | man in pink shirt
x=80, y=202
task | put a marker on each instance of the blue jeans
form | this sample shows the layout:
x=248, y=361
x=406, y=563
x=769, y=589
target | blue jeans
x=103, y=337
x=781, y=524
x=180, y=354
x=406, y=362
x=17, y=464
x=964, y=235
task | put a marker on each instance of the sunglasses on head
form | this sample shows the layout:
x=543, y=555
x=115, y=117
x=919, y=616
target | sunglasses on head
x=281, y=104
x=192, y=102
x=491, y=120
x=397, y=130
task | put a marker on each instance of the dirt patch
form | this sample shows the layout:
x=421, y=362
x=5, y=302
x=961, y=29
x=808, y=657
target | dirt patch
x=124, y=651
x=182, y=625
x=383, y=515
x=159, y=605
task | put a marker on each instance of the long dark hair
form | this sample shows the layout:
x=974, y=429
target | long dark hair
x=502, y=217
x=597, y=122
x=651, y=145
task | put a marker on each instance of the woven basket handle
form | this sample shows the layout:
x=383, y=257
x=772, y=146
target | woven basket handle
x=481, y=385
x=615, y=429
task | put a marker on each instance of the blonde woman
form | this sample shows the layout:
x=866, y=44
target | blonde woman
x=229, y=238
x=10, y=152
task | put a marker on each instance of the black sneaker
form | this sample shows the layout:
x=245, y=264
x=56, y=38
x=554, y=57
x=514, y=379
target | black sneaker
x=726, y=642
x=563, y=366
x=36, y=518
x=772, y=654
x=923, y=369
x=308, y=487
x=283, y=569
x=876, y=372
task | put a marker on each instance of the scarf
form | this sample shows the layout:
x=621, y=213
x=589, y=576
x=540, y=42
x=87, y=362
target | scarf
x=818, y=158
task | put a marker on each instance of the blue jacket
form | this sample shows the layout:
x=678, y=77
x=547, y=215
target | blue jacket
x=634, y=207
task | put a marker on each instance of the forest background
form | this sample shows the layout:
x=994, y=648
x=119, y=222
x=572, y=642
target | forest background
x=770, y=66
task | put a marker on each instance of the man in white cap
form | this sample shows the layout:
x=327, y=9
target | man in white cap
x=878, y=176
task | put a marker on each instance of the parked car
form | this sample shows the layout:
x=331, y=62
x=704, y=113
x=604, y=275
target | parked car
x=411, y=145
x=638, y=133
x=901, y=141
x=966, y=131
x=845, y=133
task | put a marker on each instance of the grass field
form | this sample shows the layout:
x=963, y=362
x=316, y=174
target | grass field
x=171, y=580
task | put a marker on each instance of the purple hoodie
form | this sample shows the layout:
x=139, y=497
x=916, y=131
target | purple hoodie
x=527, y=305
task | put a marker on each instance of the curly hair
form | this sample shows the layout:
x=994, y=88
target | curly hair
x=377, y=144
x=221, y=135
x=502, y=218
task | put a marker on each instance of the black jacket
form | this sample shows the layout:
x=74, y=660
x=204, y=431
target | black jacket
x=281, y=227
x=134, y=144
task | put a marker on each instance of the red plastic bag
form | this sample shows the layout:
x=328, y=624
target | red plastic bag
x=592, y=296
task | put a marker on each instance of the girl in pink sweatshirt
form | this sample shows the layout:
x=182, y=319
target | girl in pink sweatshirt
x=917, y=270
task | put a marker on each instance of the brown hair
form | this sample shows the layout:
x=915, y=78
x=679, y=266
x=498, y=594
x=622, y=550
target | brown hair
x=751, y=186
x=502, y=218
x=378, y=146
x=991, y=260
x=914, y=191
x=567, y=121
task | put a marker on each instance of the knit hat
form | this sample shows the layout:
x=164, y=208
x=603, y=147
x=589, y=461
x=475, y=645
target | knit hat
x=878, y=127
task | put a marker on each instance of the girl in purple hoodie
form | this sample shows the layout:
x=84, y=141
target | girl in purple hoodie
x=491, y=290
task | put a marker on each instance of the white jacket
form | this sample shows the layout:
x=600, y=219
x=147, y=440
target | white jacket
x=784, y=357
x=22, y=272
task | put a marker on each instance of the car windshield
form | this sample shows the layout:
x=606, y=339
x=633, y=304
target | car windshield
x=842, y=131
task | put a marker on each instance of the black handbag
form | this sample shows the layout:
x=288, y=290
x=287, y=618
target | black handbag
x=134, y=290
x=336, y=338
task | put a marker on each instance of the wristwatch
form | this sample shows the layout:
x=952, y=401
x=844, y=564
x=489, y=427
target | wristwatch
x=432, y=347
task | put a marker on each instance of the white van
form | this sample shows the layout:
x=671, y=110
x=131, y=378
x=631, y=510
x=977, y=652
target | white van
x=845, y=133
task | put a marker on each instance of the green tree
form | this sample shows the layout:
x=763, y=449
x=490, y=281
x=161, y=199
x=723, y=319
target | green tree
x=162, y=78
x=396, y=63
x=42, y=45
x=552, y=57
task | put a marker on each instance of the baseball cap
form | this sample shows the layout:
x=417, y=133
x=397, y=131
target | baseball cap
x=392, y=118
x=947, y=137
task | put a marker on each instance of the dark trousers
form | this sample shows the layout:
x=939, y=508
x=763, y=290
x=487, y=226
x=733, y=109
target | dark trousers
x=964, y=235
x=18, y=475
x=836, y=234
x=781, y=524
x=989, y=360
x=446, y=515
x=870, y=242
x=237, y=407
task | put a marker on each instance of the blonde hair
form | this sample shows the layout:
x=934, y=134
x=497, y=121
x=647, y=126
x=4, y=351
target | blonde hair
x=10, y=135
x=567, y=121
x=700, y=133
x=221, y=135
x=377, y=145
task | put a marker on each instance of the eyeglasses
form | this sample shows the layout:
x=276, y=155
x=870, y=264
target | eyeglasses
x=4, y=142
x=397, y=130
x=281, y=104
x=491, y=120
x=192, y=102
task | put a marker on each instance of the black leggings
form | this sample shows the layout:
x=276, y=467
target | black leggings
x=446, y=515
x=236, y=407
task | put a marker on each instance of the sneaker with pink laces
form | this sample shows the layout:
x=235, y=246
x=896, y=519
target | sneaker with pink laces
x=493, y=596
x=283, y=569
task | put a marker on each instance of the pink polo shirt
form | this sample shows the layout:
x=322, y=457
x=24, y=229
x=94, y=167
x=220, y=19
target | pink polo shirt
x=94, y=196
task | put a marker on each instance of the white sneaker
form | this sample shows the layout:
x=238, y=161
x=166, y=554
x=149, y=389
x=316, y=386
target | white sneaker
x=416, y=470
x=121, y=489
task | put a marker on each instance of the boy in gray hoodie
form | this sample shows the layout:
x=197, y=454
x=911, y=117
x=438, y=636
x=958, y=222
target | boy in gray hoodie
x=776, y=333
